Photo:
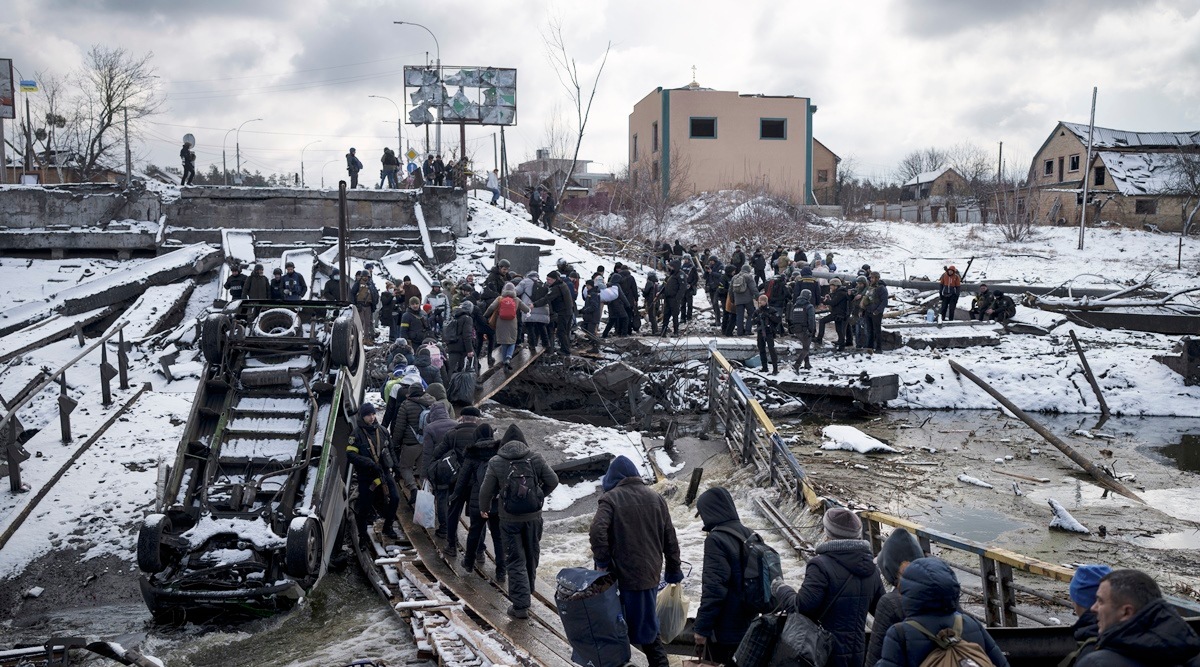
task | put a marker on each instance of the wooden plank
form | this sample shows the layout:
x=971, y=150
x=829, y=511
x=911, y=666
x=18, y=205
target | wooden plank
x=485, y=392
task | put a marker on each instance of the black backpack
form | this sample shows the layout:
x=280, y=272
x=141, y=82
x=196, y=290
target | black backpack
x=453, y=332
x=522, y=492
x=761, y=566
x=445, y=470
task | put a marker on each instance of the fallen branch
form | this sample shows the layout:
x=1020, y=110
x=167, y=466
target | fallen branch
x=1058, y=304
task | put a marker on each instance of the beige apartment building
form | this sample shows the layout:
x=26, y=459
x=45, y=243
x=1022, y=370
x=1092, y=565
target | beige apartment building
x=709, y=140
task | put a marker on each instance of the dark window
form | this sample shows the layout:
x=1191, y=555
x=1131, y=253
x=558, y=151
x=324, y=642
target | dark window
x=704, y=128
x=1074, y=163
x=772, y=128
x=1021, y=206
x=949, y=189
x=654, y=171
x=822, y=175
x=1145, y=206
x=1048, y=168
x=1099, y=176
x=654, y=141
x=635, y=155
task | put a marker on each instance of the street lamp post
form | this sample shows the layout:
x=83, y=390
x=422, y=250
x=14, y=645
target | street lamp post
x=302, y=160
x=224, y=169
x=237, y=148
x=323, y=171
x=441, y=88
x=399, y=118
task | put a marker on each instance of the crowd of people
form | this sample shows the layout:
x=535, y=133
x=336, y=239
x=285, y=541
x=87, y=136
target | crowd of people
x=392, y=174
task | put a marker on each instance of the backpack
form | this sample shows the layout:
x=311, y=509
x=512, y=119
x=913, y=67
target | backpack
x=739, y=283
x=453, y=332
x=539, y=291
x=435, y=356
x=761, y=565
x=508, y=308
x=951, y=650
x=419, y=431
x=445, y=469
x=522, y=492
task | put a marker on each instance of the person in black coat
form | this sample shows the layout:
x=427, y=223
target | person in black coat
x=1137, y=626
x=257, y=286
x=759, y=261
x=651, y=298
x=1086, y=629
x=900, y=549
x=722, y=618
x=277, y=285
x=470, y=479
x=930, y=593
x=188, y=157
x=691, y=278
x=841, y=585
x=562, y=310
x=839, y=312
x=766, y=322
x=235, y=282
x=369, y=454
x=672, y=295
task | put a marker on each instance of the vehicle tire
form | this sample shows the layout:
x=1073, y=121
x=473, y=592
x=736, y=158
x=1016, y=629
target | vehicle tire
x=344, y=344
x=151, y=552
x=276, y=322
x=304, y=550
x=212, y=337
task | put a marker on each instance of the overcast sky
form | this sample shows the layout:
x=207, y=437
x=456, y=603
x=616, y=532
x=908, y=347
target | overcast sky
x=888, y=77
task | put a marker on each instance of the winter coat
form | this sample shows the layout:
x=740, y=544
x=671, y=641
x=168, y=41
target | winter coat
x=465, y=325
x=424, y=364
x=559, y=299
x=493, y=183
x=750, y=291
x=257, y=287
x=950, y=281
x=496, y=477
x=408, y=420
x=368, y=449
x=900, y=546
x=439, y=305
x=1155, y=635
x=839, y=304
x=235, y=284
x=629, y=288
x=737, y=259
x=673, y=288
x=592, y=306
x=766, y=322
x=812, y=285
x=929, y=595
x=758, y=261
x=276, y=286
x=838, y=563
x=526, y=290
x=471, y=474
x=803, y=312
x=294, y=287
x=437, y=425
x=650, y=291
x=387, y=313
x=888, y=612
x=777, y=292
x=632, y=532
x=722, y=615
x=353, y=164
x=1003, y=308
x=506, y=330
x=413, y=327
x=879, y=299
x=332, y=291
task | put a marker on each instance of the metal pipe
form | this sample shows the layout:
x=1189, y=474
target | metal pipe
x=441, y=95
x=237, y=147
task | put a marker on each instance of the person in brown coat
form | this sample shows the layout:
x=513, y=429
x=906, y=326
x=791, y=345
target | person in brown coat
x=506, y=307
x=631, y=535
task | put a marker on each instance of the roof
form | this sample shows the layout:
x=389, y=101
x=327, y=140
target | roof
x=1104, y=137
x=1145, y=173
x=927, y=177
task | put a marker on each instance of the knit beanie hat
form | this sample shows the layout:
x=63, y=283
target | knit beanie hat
x=1085, y=583
x=369, y=409
x=842, y=524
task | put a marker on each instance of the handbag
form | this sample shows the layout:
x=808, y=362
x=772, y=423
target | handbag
x=703, y=658
x=758, y=643
x=803, y=641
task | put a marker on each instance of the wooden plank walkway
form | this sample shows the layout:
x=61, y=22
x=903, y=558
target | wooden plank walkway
x=497, y=378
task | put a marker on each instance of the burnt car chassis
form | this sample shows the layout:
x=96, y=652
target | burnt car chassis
x=248, y=514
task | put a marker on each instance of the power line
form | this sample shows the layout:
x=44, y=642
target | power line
x=281, y=88
x=302, y=71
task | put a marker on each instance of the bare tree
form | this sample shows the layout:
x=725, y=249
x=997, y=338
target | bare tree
x=49, y=122
x=568, y=75
x=111, y=84
x=646, y=200
x=919, y=162
x=1018, y=209
x=971, y=162
x=1184, y=181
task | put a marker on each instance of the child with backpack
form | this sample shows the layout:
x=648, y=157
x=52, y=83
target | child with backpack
x=502, y=315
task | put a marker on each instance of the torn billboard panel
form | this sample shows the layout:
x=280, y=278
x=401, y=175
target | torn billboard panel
x=470, y=95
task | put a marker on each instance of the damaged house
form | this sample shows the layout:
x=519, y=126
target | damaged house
x=1135, y=179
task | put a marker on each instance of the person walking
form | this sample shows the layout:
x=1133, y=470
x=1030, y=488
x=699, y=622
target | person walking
x=723, y=616
x=929, y=593
x=549, y=210
x=562, y=310
x=673, y=290
x=413, y=325
x=368, y=453
x=691, y=279
x=493, y=184
x=520, y=479
x=1137, y=626
x=766, y=323
x=292, y=286
x=839, y=312
x=406, y=437
x=745, y=293
x=505, y=308
x=759, y=261
x=879, y=304
x=458, y=440
x=900, y=549
x=535, y=205
x=841, y=585
x=802, y=323
x=950, y=282
x=631, y=536
x=459, y=337
x=188, y=157
x=650, y=297
x=537, y=322
x=441, y=474
x=391, y=164
x=481, y=520
x=353, y=166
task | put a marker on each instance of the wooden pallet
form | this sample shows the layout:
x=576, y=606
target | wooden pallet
x=491, y=383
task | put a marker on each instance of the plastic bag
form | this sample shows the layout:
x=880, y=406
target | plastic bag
x=425, y=513
x=672, y=609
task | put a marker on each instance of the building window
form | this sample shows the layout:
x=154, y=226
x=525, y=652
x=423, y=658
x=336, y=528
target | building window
x=1074, y=166
x=822, y=175
x=635, y=155
x=1145, y=206
x=1048, y=168
x=703, y=128
x=772, y=128
x=949, y=189
x=1020, y=206
x=1099, y=176
x=654, y=171
x=654, y=138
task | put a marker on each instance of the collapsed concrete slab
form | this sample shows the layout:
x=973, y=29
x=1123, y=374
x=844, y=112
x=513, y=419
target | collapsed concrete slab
x=941, y=335
x=54, y=327
x=155, y=311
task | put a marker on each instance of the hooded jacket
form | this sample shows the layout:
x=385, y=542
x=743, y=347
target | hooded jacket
x=900, y=546
x=750, y=293
x=722, y=615
x=496, y=478
x=408, y=420
x=470, y=476
x=465, y=323
x=632, y=530
x=1155, y=635
x=930, y=594
x=838, y=563
x=424, y=364
x=525, y=291
x=437, y=425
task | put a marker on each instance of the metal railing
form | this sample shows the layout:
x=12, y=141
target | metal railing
x=753, y=440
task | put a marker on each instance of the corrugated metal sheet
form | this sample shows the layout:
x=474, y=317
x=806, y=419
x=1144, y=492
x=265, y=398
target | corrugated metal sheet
x=1108, y=138
x=1136, y=174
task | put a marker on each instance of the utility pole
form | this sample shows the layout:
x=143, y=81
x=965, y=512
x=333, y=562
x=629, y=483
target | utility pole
x=1087, y=168
x=3, y=154
x=128, y=153
x=495, y=154
x=28, y=137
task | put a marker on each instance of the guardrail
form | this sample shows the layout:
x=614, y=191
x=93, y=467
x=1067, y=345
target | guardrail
x=753, y=440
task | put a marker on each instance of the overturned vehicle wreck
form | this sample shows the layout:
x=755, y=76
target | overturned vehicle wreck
x=248, y=513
